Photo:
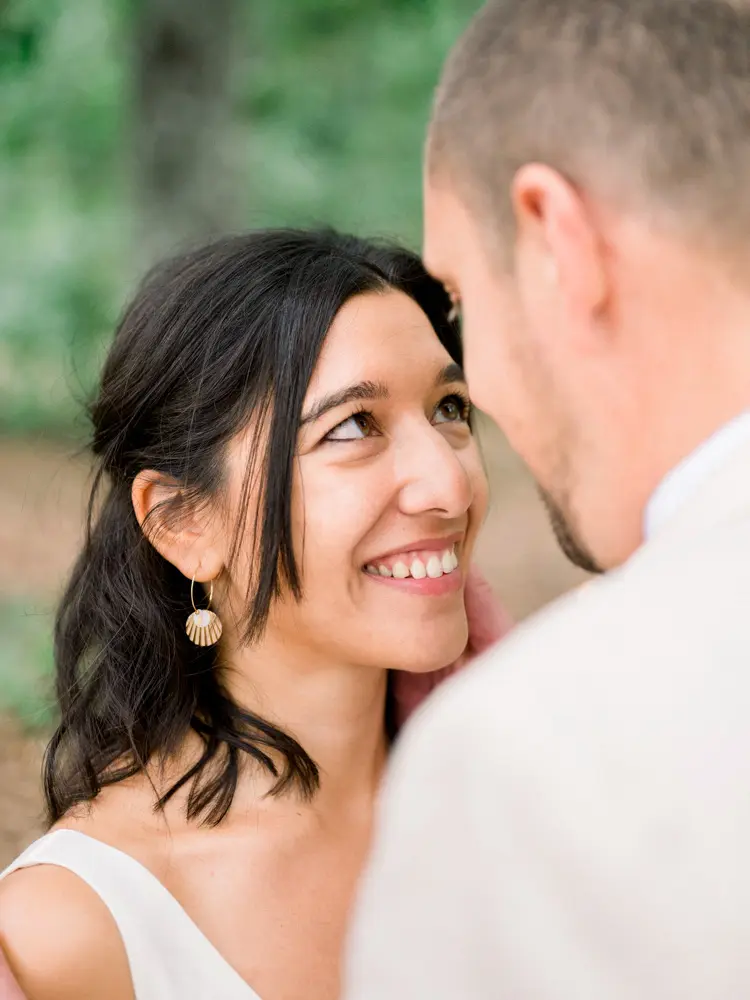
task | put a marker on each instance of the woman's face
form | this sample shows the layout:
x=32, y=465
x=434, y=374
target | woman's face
x=388, y=496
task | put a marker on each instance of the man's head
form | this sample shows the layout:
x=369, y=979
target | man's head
x=587, y=201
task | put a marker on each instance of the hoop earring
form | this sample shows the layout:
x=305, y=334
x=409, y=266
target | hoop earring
x=204, y=626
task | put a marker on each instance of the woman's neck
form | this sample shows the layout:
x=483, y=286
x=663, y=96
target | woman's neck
x=335, y=711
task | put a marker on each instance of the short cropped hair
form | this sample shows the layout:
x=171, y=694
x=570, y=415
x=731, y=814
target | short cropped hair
x=644, y=101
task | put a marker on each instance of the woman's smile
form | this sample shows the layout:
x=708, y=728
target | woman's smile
x=429, y=567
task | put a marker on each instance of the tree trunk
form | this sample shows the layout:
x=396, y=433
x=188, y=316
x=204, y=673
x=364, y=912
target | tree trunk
x=184, y=174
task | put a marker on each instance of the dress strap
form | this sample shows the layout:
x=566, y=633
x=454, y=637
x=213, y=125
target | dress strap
x=170, y=958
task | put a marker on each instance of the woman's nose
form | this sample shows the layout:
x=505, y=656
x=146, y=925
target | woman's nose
x=431, y=476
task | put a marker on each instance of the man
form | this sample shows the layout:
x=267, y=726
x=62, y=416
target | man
x=571, y=819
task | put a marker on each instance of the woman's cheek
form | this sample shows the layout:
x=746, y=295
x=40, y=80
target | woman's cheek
x=333, y=515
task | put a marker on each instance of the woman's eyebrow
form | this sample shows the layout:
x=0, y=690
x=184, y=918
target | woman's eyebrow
x=370, y=390
x=451, y=373
x=356, y=391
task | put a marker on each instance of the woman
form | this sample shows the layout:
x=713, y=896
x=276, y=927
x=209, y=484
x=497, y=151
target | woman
x=285, y=433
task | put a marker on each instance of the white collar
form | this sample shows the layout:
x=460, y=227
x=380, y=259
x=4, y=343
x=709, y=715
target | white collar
x=678, y=485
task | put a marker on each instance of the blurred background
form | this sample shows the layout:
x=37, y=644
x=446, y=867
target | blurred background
x=127, y=129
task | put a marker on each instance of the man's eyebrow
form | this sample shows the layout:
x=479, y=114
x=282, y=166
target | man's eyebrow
x=451, y=373
x=357, y=391
x=441, y=276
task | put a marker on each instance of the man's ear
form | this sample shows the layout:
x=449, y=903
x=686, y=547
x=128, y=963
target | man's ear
x=561, y=240
x=182, y=534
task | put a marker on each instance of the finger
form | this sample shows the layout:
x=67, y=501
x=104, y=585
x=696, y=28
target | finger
x=487, y=618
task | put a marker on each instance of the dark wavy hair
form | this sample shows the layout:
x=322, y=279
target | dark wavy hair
x=212, y=339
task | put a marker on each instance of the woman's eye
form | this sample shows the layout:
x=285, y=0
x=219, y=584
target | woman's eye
x=354, y=428
x=452, y=409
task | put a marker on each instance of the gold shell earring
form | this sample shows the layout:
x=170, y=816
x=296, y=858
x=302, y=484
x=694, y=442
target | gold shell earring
x=203, y=627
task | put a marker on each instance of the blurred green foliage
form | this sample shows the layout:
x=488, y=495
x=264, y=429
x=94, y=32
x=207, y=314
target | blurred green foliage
x=26, y=663
x=330, y=106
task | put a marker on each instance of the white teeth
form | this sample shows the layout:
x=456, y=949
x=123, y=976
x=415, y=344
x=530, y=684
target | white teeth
x=418, y=570
x=434, y=567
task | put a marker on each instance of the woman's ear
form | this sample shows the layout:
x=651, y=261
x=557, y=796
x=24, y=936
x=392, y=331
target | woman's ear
x=183, y=535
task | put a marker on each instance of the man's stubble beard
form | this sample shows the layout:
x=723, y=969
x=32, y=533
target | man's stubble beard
x=574, y=550
x=539, y=385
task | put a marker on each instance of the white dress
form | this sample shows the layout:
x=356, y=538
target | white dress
x=169, y=957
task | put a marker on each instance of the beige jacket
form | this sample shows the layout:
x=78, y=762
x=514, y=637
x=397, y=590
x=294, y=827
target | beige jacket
x=570, y=820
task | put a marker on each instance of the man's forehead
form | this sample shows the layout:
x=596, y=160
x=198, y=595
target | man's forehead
x=444, y=219
x=433, y=249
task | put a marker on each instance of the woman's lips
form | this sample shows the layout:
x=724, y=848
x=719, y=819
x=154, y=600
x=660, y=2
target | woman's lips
x=448, y=583
x=426, y=571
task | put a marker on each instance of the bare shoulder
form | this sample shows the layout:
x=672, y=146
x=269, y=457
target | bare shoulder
x=60, y=939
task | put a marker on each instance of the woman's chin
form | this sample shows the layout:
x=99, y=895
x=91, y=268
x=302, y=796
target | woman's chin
x=433, y=652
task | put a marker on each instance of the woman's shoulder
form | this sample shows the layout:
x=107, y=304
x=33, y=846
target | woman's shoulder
x=59, y=937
